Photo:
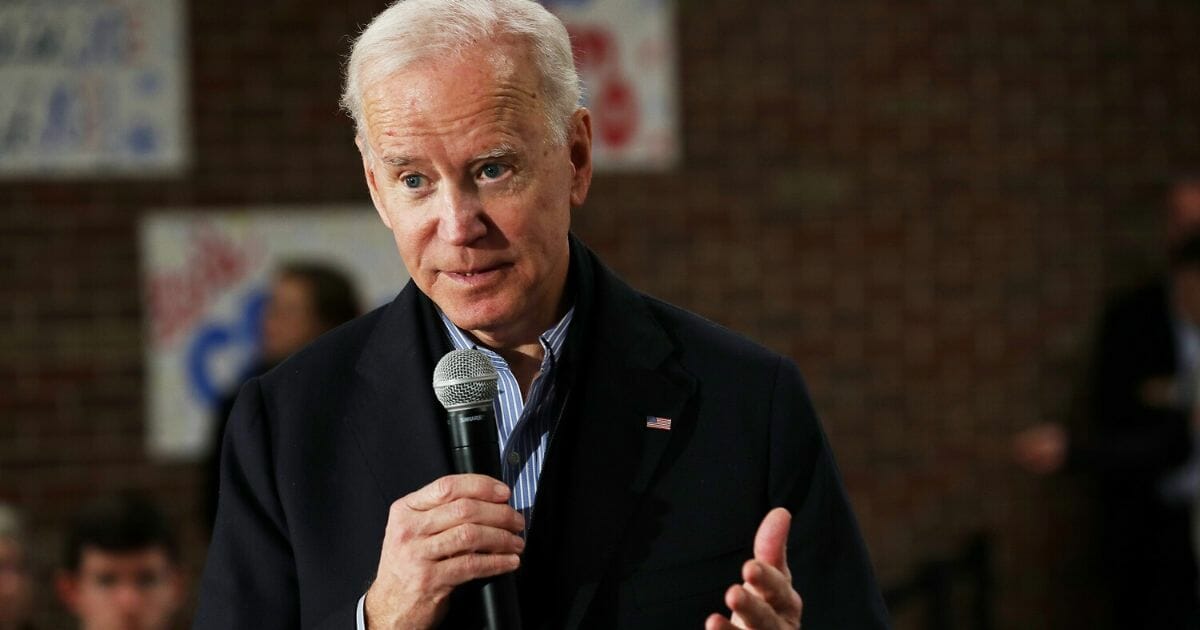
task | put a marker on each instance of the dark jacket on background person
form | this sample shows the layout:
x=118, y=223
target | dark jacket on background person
x=1145, y=540
x=632, y=528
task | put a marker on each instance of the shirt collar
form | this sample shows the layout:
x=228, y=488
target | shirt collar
x=552, y=340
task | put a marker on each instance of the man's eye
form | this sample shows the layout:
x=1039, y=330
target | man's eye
x=413, y=181
x=148, y=579
x=492, y=171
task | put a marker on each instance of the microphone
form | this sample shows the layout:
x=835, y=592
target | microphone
x=464, y=382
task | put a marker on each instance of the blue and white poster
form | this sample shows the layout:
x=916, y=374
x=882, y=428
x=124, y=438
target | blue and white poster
x=92, y=88
x=205, y=276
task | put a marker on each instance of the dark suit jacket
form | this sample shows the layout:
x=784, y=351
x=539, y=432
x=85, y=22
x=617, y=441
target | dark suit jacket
x=1130, y=447
x=633, y=527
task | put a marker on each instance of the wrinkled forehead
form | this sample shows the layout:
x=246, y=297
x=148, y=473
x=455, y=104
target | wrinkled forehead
x=482, y=87
x=496, y=61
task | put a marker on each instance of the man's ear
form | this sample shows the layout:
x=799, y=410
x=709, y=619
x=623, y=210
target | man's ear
x=368, y=160
x=66, y=585
x=579, y=143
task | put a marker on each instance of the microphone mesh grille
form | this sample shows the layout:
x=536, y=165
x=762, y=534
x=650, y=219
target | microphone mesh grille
x=464, y=378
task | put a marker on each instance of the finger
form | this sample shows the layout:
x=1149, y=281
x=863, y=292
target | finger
x=773, y=587
x=451, y=487
x=460, y=511
x=473, y=566
x=718, y=622
x=770, y=542
x=470, y=538
x=754, y=612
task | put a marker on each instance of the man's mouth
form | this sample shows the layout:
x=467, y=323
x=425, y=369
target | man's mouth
x=474, y=275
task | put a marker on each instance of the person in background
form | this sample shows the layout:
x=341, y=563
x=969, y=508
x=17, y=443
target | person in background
x=1140, y=445
x=306, y=299
x=121, y=566
x=16, y=589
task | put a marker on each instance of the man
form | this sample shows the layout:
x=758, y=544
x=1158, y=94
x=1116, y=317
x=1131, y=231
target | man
x=1145, y=410
x=306, y=299
x=121, y=566
x=16, y=592
x=657, y=467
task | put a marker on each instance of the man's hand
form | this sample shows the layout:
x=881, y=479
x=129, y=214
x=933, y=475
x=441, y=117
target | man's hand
x=766, y=598
x=1041, y=449
x=454, y=530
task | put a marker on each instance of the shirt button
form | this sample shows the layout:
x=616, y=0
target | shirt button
x=514, y=458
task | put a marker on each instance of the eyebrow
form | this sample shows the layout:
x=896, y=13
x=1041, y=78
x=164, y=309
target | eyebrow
x=500, y=152
x=397, y=160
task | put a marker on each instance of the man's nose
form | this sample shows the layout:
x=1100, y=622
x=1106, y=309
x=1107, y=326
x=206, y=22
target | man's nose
x=129, y=597
x=462, y=217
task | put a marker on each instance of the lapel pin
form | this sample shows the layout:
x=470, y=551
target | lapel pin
x=654, y=422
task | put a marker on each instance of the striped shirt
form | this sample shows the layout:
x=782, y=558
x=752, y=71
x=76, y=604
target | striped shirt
x=524, y=432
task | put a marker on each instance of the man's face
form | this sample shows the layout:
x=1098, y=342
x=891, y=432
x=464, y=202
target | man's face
x=135, y=590
x=15, y=593
x=290, y=320
x=461, y=166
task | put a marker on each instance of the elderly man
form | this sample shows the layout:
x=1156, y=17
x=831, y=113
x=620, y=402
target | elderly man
x=658, y=468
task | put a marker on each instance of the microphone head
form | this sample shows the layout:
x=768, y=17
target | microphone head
x=464, y=379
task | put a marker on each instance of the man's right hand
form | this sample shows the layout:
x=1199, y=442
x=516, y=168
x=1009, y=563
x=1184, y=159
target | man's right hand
x=454, y=530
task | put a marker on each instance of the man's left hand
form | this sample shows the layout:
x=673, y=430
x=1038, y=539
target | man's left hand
x=766, y=599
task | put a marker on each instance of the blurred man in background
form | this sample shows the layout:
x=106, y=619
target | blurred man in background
x=121, y=566
x=1140, y=444
x=16, y=590
x=307, y=298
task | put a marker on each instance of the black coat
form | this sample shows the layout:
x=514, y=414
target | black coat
x=1131, y=446
x=633, y=527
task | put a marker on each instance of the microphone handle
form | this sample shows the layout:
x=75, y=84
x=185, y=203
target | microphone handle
x=475, y=448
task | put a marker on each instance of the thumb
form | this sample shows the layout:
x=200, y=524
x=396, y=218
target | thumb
x=770, y=543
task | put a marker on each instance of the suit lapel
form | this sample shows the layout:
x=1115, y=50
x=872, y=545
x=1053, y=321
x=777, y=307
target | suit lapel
x=598, y=469
x=626, y=374
x=393, y=411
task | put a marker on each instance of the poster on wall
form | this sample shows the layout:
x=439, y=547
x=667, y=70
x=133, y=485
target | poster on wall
x=92, y=88
x=205, y=277
x=625, y=54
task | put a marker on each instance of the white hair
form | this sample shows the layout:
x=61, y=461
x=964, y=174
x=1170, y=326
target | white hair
x=409, y=31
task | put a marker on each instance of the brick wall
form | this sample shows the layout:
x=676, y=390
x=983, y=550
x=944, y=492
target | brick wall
x=922, y=202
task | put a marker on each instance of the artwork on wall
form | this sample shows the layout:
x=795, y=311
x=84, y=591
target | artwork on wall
x=92, y=88
x=205, y=276
x=625, y=54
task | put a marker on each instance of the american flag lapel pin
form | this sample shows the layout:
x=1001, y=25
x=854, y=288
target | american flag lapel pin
x=655, y=422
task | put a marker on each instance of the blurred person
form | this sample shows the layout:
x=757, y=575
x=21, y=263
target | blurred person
x=659, y=471
x=1139, y=447
x=306, y=299
x=121, y=566
x=16, y=588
